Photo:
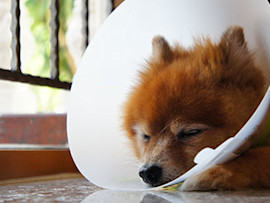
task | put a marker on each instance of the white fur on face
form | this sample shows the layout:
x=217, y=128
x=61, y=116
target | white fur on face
x=157, y=154
x=140, y=132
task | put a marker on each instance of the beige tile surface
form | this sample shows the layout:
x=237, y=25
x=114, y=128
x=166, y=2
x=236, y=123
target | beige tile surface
x=67, y=190
x=80, y=190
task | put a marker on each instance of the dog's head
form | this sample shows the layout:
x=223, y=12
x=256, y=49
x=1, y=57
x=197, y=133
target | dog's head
x=187, y=99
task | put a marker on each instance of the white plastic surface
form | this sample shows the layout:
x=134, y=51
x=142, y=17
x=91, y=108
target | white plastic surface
x=110, y=64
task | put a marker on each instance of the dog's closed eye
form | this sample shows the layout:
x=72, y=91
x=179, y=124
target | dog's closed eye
x=185, y=134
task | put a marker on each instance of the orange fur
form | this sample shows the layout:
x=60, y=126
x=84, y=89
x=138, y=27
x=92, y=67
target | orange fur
x=211, y=87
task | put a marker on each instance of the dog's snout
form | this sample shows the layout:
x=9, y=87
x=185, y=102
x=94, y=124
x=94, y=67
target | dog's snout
x=151, y=174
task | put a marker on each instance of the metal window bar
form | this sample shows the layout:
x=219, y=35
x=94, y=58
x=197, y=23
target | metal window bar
x=15, y=29
x=15, y=74
x=54, y=24
x=85, y=28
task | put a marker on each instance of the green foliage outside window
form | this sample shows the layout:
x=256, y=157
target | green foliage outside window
x=39, y=13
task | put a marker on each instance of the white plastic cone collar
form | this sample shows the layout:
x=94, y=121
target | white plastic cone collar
x=110, y=64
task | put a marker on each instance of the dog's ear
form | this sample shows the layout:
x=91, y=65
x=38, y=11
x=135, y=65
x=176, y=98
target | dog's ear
x=239, y=66
x=233, y=45
x=161, y=49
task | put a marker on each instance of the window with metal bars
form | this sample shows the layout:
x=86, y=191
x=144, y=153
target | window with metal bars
x=44, y=134
x=15, y=74
x=25, y=122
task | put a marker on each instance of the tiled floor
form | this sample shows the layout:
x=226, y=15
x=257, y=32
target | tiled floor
x=69, y=190
x=80, y=190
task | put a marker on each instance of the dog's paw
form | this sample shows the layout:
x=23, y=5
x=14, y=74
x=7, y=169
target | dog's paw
x=216, y=178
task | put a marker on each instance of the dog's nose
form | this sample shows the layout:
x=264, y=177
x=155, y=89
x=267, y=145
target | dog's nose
x=150, y=173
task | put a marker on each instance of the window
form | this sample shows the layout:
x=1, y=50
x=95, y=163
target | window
x=35, y=78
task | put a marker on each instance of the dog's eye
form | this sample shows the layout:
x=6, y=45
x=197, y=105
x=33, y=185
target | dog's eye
x=146, y=138
x=185, y=134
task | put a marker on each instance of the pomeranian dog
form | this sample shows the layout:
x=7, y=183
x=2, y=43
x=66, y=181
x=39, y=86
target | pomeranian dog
x=189, y=99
